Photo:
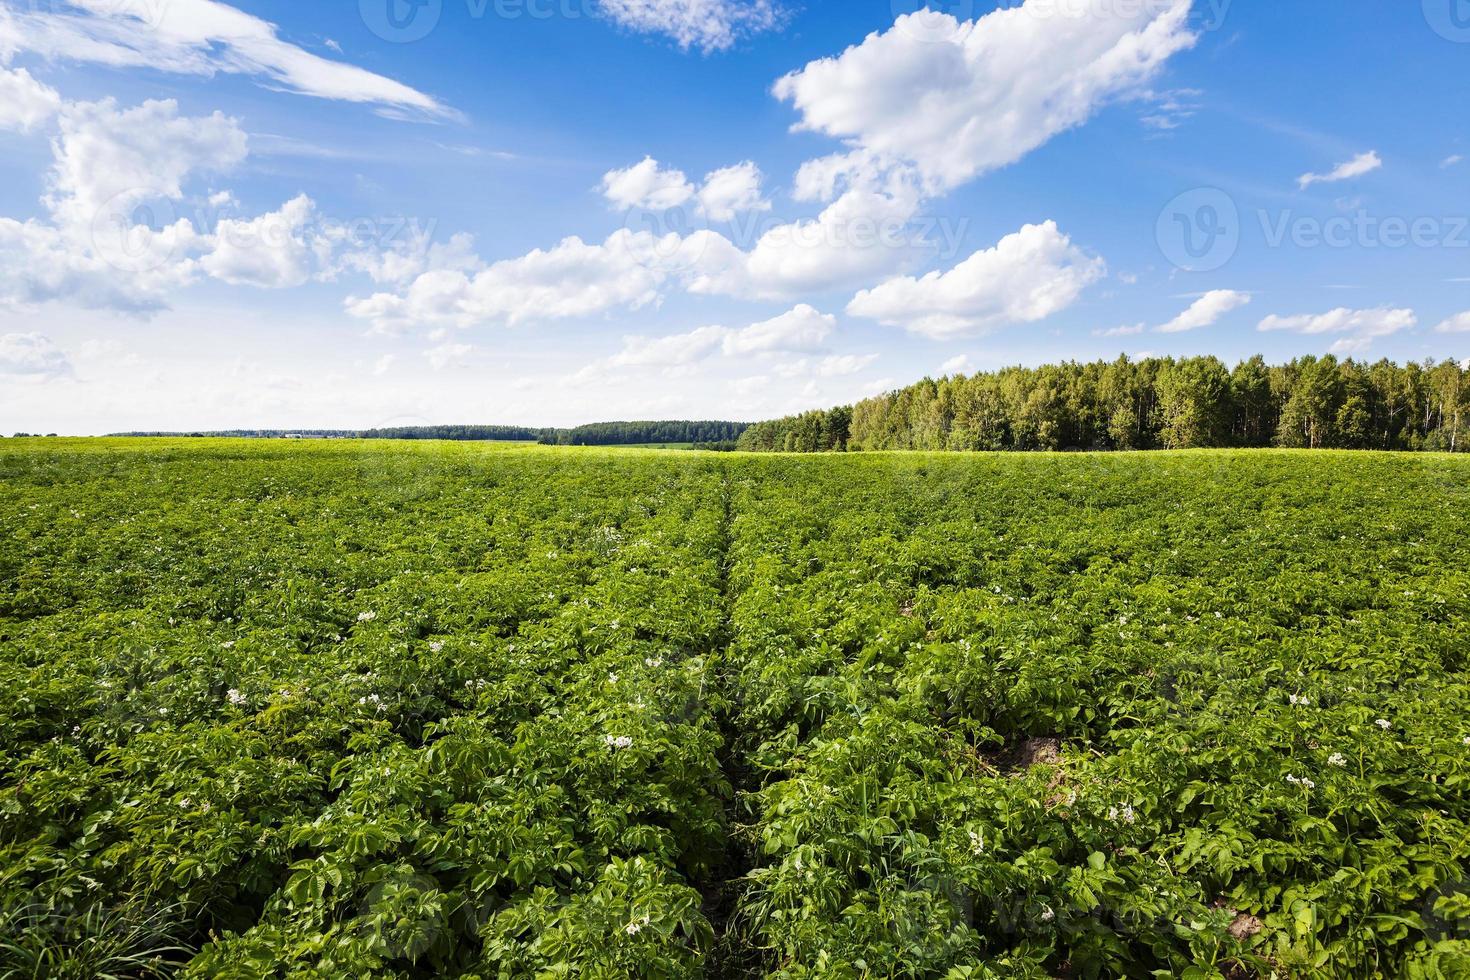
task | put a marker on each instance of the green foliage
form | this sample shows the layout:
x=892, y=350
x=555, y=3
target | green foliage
x=430, y=710
x=601, y=434
x=1156, y=403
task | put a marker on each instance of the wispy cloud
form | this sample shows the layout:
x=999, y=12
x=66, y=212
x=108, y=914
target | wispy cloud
x=1207, y=311
x=1360, y=327
x=1132, y=331
x=1364, y=163
x=200, y=37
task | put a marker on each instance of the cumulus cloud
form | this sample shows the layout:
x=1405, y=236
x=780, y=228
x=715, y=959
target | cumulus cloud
x=1460, y=323
x=649, y=185
x=957, y=99
x=119, y=235
x=110, y=159
x=32, y=357
x=114, y=239
x=1362, y=327
x=272, y=251
x=24, y=102
x=867, y=232
x=707, y=25
x=675, y=350
x=197, y=37
x=1028, y=276
x=731, y=191
x=1364, y=163
x=960, y=364
x=572, y=279
x=802, y=328
x=1207, y=310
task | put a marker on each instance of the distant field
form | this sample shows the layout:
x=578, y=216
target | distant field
x=349, y=709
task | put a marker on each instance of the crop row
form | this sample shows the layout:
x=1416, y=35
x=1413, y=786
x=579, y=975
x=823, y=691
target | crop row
x=358, y=709
x=1194, y=717
x=370, y=715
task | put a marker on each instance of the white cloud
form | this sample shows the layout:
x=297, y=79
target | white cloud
x=731, y=191
x=408, y=253
x=448, y=355
x=1132, y=331
x=1454, y=160
x=861, y=235
x=844, y=365
x=114, y=239
x=676, y=350
x=960, y=99
x=39, y=264
x=1364, y=163
x=648, y=185
x=31, y=357
x=270, y=252
x=572, y=279
x=1028, y=276
x=117, y=238
x=1361, y=326
x=24, y=102
x=1170, y=110
x=111, y=160
x=709, y=25
x=197, y=37
x=1207, y=310
x=800, y=329
x=383, y=365
x=865, y=233
x=957, y=365
x=1460, y=323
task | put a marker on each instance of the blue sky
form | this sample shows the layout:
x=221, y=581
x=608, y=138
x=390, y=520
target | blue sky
x=556, y=211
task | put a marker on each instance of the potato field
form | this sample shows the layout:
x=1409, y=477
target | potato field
x=371, y=709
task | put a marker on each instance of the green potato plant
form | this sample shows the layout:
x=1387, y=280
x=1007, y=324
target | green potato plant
x=450, y=710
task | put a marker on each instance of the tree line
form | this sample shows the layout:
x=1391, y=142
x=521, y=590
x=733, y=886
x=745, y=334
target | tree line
x=705, y=434
x=1155, y=403
x=451, y=433
x=645, y=433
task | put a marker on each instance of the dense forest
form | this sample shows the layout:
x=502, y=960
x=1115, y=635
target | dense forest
x=646, y=433
x=1158, y=403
